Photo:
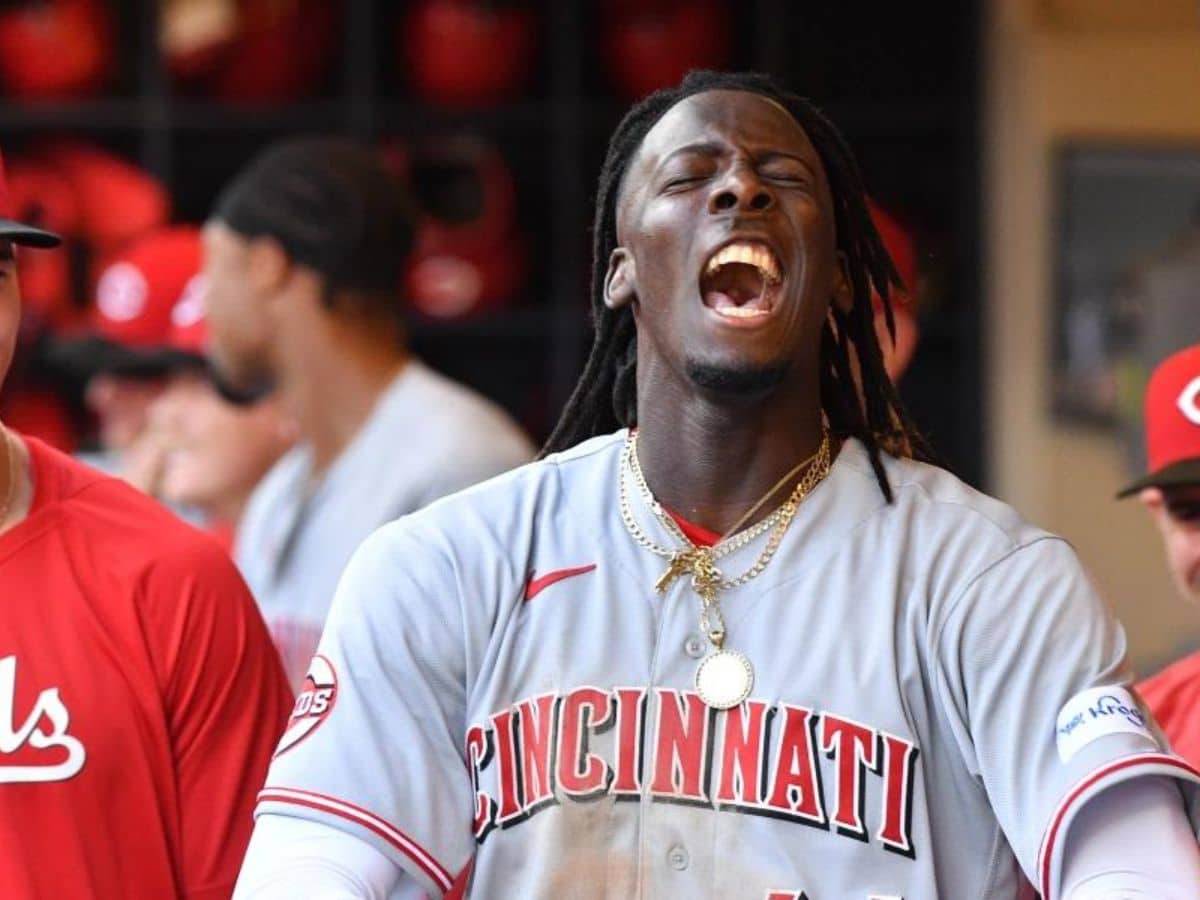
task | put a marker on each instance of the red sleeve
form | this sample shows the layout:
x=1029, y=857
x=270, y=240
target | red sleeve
x=226, y=702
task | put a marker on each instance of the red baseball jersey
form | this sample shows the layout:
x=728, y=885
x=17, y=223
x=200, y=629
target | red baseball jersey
x=140, y=698
x=1173, y=695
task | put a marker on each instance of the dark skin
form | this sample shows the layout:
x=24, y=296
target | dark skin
x=721, y=166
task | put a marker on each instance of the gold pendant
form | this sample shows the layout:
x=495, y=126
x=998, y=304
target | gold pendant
x=724, y=679
x=679, y=565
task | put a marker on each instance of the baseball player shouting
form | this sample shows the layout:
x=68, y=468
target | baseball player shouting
x=728, y=639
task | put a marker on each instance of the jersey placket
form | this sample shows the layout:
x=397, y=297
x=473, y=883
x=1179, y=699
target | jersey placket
x=678, y=826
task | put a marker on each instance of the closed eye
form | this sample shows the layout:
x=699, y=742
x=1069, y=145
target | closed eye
x=800, y=179
x=684, y=182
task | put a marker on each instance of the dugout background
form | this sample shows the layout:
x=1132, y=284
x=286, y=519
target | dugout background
x=901, y=80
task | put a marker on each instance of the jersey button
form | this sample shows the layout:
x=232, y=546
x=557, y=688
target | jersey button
x=695, y=647
x=677, y=856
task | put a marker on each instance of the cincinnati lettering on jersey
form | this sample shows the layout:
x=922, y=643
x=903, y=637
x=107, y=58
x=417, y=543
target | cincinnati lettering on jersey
x=755, y=758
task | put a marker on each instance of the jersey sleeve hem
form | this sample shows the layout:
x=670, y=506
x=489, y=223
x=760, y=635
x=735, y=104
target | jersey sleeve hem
x=411, y=855
x=1049, y=858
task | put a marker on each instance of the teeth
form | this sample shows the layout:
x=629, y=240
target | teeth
x=740, y=312
x=752, y=254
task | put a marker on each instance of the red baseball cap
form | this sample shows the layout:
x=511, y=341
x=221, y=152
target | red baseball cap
x=139, y=288
x=189, y=329
x=133, y=321
x=1172, y=413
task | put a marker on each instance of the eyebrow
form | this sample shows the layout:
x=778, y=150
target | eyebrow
x=700, y=148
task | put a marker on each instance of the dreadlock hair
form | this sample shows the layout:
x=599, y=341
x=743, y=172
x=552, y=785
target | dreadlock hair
x=858, y=401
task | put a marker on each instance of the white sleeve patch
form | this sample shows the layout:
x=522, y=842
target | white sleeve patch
x=1095, y=713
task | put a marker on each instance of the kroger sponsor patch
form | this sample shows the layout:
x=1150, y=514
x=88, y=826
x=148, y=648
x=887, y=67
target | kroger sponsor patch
x=1095, y=713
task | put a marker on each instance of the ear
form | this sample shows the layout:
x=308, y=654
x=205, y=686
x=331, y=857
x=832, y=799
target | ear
x=620, y=283
x=267, y=265
x=843, y=293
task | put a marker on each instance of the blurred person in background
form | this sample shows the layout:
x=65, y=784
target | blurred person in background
x=124, y=356
x=304, y=255
x=140, y=696
x=200, y=452
x=1170, y=492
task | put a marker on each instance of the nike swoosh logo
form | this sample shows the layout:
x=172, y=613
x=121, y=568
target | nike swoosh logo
x=536, y=585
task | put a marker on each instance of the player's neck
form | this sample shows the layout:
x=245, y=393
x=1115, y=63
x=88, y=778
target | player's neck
x=710, y=462
x=16, y=480
x=331, y=394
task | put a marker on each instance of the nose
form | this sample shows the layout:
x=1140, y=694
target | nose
x=742, y=191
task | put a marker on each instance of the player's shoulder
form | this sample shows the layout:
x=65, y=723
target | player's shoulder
x=526, y=493
x=448, y=408
x=507, y=508
x=120, y=524
x=931, y=495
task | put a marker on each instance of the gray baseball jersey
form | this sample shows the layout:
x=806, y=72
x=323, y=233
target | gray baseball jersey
x=937, y=692
x=426, y=437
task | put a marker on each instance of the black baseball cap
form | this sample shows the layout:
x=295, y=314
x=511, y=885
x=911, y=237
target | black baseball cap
x=19, y=232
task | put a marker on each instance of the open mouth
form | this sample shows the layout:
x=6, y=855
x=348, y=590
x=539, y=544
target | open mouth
x=740, y=281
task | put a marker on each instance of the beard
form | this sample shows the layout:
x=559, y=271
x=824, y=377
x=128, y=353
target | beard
x=238, y=393
x=736, y=381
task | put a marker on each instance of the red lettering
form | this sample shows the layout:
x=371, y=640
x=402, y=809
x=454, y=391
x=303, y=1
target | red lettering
x=580, y=773
x=853, y=747
x=506, y=749
x=537, y=743
x=899, y=763
x=680, y=757
x=479, y=754
x=743, y=748
x=631, y=721
x=795, y=785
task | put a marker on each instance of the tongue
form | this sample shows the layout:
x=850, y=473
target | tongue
x=735, y=284
x=721, y=300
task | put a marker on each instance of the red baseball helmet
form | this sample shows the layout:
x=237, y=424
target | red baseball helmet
x=196, y=38
x=652, y=44
x=282, y=52
x=116, y=200
x=469, y=256
x=52, y=49
x=467, y=52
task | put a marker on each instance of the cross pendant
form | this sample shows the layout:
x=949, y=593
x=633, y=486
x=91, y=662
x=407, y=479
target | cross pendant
x=679, y=565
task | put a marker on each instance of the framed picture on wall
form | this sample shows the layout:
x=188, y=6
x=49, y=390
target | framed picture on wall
x=1127, y=270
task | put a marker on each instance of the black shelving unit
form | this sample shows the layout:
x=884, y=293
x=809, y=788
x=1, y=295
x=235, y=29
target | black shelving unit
x=900, y=80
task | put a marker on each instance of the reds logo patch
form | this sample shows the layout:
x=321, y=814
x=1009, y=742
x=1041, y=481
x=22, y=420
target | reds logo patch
x=313, y=705
x=1187, y=401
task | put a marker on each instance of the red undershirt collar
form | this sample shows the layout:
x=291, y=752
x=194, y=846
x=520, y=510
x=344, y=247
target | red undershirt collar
x=697, y=534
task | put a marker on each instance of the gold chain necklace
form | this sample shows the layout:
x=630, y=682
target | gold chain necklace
x=725, y=677
x=11, y=464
